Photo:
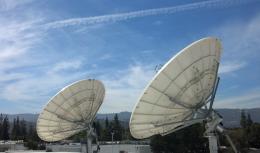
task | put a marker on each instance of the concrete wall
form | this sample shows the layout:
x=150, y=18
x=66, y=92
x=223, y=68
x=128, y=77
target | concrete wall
x=5, y=147
x=116, y=148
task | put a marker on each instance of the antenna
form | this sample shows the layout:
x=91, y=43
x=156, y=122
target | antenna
x=178, y=95
x=70, y=111
x=158, y=67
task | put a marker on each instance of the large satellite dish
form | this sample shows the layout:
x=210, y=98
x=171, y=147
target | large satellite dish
x=178, y=94
x=71, y=110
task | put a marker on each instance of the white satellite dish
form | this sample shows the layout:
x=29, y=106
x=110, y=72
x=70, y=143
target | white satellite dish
x=71, y=110
x=178, y=94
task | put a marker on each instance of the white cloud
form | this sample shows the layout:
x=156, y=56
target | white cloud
x=250, y=99
x=231, y=67
x=36, y=90
x=124, y=87
x=17, y=37
x=67, y=65
x=105, y=57
x=34, y=87
x=240, y=39
x=142, y=13
x=6, y=5
x=12, y=76
x=27, y=78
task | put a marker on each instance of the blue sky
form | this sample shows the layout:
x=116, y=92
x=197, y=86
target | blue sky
x=46, y=45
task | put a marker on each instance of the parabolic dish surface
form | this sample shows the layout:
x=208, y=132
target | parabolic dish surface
x=182, y=86
x=71, y=110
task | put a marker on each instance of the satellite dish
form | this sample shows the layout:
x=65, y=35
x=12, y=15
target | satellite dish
x=178, y=94
x=71, y=110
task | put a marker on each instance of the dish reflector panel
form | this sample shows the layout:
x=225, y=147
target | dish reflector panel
x=172, y=99
x=71, y=110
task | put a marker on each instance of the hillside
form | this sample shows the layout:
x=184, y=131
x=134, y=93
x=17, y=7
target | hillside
x=231, y=116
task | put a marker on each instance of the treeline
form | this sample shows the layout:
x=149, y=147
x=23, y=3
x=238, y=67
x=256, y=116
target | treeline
x=191, y=139
x=4, y=128
x=187, y=140
x=19, y=130
x=114, y=128
x=248, y=135
x=105, y=130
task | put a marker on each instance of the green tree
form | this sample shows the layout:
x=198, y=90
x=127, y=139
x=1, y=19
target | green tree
x=18, y=129
x=254, y=135
x=98, y=129
x=107, y=123
x=23, y=129
x=34, y=135
x=106, y=136
x=30, y=132
x=1, y=126
x=243, y=120
x=117, y=128
x=187, y=140
x=13, y=134
x=249, y=121
x=5, y=128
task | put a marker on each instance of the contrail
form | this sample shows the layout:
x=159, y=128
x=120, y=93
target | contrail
x=142, y=13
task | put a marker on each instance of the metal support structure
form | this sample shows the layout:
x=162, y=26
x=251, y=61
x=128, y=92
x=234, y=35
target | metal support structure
x=89, y=144
x=213, y=123
x=213, y=94
x=89, y=140
x=212, y=98
x=213, y=143
x=112, y=138
x=91, y=135
x=212, y=127
x=231, y=143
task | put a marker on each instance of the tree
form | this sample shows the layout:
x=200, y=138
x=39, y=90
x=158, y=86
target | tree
x=247, y=130
x=254, y=135
x=1, y=126
x=32, y=140
x=13, y=134
x=98, y=129
x=243, y=120
x=117, y=129
x=35, y=136
x=23, y=129
x=5, y=128
x=17, y=129
x=187, y=140
x=30, y=132
x=107, y=123
x=106, y=136
x=249, y=120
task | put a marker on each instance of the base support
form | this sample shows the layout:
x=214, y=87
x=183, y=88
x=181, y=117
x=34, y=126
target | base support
x=89, y=137
x=89, y=145
x=213, y=143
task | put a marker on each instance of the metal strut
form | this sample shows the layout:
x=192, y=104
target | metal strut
x=89, y=138
x=213, y=123
x=91, y=135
